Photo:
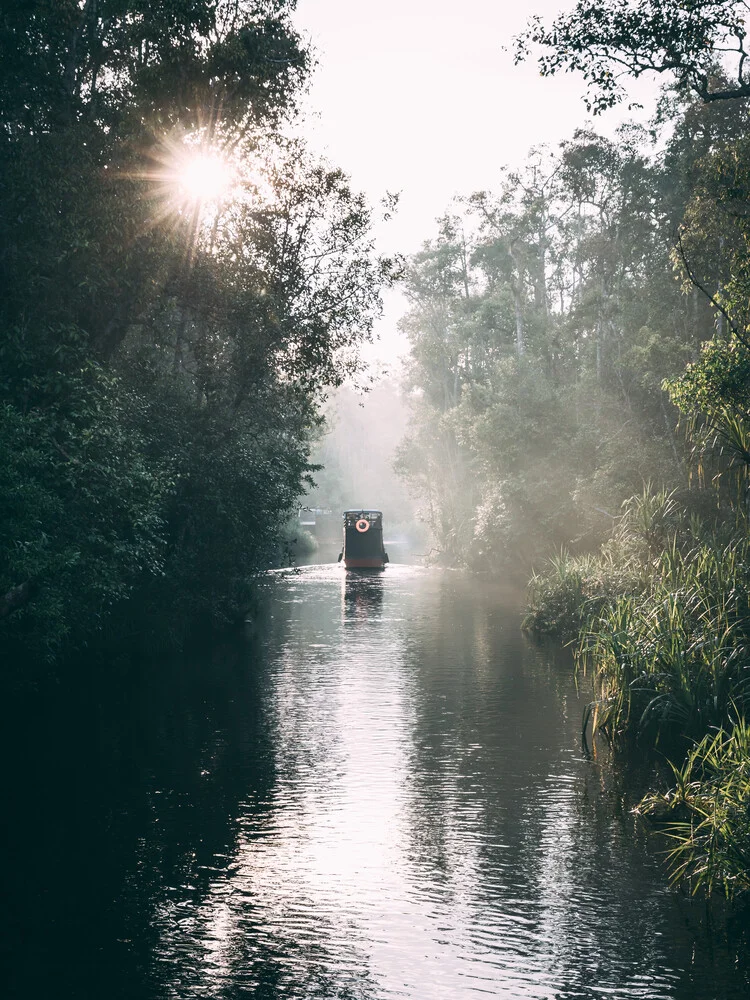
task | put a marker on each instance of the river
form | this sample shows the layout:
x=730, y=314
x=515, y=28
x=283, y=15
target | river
x=378, y=793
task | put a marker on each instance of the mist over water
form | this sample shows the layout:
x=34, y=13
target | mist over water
x=364, y=430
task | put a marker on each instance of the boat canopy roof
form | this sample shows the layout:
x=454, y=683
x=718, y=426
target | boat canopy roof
x=364, y=510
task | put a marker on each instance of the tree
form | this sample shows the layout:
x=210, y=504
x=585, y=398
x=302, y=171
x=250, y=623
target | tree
x=713, y=392
x=616, y=39
x=537, y=398
x=164, y=353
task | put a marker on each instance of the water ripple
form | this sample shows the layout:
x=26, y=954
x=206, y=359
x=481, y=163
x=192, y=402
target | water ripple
x=429, y=833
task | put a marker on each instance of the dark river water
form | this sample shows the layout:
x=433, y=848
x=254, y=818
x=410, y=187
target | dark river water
x=378, y=793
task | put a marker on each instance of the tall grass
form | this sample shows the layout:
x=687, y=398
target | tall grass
x=662, y=616
x=675, y=656
x=561, y=600
x=574, y=589
x=672, y=661
x=710, y=810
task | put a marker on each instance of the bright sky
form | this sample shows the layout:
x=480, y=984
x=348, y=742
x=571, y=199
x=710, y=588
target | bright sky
x=419, y=96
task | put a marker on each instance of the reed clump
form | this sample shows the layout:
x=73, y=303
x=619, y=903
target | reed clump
x=707, y=813
x=573, y=590
x=673, y=658
x=674, y=661
x=662, y=617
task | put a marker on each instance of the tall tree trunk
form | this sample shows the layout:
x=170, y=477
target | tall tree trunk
x=540, y=285
x=520, y=343
x=517, y=286
x=600, y=329
x=719, y=315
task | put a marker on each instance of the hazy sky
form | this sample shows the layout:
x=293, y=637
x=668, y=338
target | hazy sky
x=419, y=96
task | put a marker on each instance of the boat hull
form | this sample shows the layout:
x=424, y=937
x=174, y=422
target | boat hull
x=363, y=562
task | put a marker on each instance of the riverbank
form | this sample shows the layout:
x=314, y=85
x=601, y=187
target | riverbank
x=660, y=621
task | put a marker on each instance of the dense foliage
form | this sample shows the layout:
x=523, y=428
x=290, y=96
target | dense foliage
x=163, y=352
x=708, y=810
x=544, y=320
x=608, y=42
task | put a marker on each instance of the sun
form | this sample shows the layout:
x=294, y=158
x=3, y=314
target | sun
x=204, y=176
x=193, y=179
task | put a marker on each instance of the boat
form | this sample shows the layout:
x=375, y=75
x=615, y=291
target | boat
x=363, y=540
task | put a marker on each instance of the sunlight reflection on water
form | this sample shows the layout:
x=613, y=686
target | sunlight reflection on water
x=430, y=831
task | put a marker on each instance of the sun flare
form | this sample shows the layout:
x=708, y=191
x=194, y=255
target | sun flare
x=204, y=176
x=194, y=179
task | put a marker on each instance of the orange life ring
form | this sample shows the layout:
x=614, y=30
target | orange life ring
x=362, y=525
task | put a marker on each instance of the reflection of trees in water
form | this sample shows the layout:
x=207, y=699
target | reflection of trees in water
x=118, y=809
x=533, y=861
x=476, y=706
x=146, y=859
x=239, y=947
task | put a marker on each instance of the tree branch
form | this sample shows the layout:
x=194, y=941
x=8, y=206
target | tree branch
x=711, y=298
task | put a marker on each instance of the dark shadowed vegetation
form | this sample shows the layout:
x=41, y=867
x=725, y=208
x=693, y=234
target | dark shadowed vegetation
x=164, y=347
x=609, y=42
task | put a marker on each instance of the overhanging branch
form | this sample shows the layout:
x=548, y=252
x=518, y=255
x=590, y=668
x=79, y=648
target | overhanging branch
x=711, y=298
